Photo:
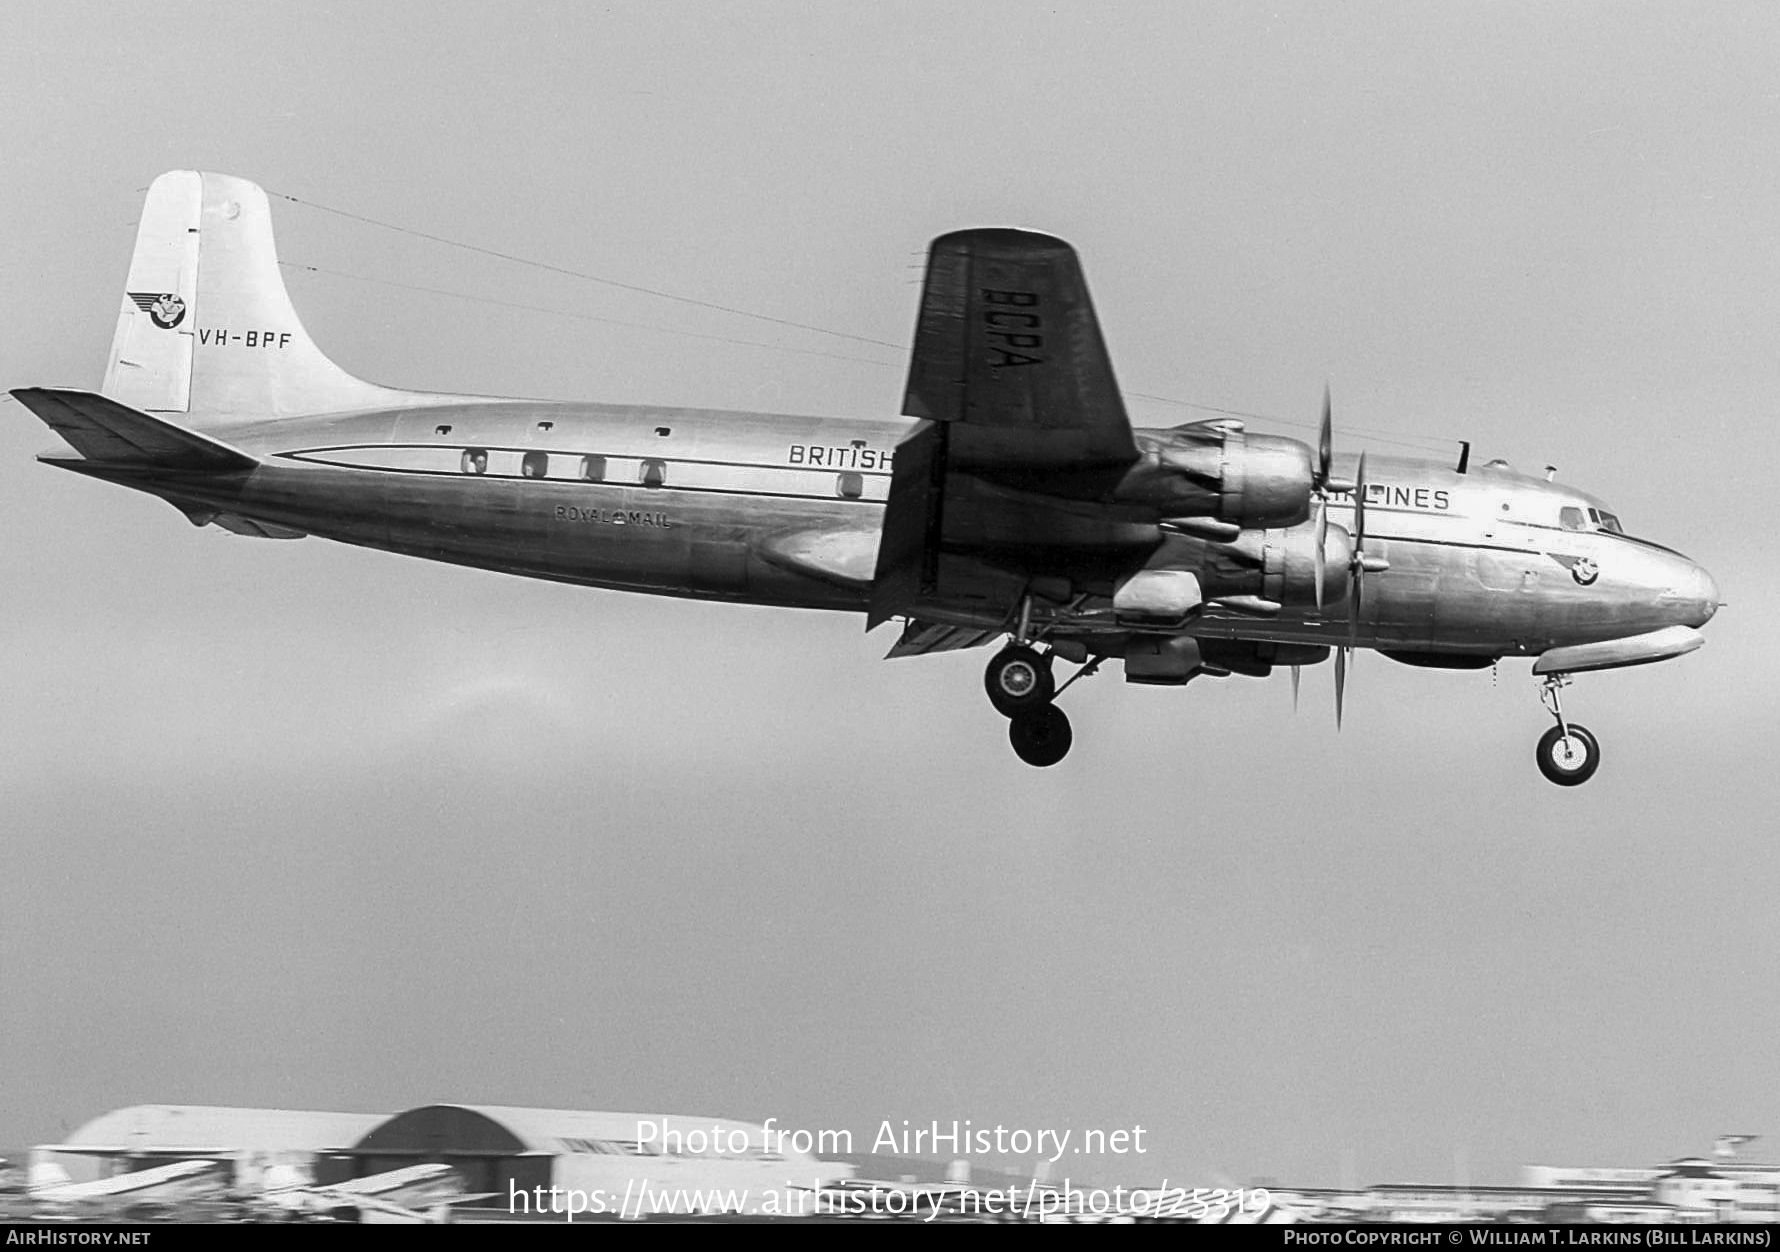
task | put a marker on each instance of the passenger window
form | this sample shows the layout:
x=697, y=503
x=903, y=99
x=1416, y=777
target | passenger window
x=1571, y=518
x=535, y=464
x=654, y=472
x=475, y=461
x=850, y=486
x=593, y=469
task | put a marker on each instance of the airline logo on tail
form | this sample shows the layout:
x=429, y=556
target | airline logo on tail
x=166, y=311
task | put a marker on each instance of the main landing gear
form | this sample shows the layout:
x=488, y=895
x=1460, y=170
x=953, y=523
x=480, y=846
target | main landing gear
x=1019, y=681
x=1568, y=754
x=1022, y=689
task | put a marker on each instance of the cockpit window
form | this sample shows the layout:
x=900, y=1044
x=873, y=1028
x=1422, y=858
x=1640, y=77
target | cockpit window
x=1606, y=521
x=1571, y=518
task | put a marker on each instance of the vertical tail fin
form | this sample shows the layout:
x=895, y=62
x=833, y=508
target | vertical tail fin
x=206, y=327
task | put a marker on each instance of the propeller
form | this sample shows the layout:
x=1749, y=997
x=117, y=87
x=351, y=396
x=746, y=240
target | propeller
x=1322, y=485
x=1359, y=564
x=1325, y=453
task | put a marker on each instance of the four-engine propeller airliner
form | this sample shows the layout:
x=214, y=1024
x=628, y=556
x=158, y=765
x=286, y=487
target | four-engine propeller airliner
x=1013, y=499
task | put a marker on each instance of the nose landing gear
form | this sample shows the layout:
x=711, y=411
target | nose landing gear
x=1568, y=754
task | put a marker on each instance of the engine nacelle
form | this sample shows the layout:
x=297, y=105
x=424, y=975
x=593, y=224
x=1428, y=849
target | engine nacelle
x=1219, y=470
x=1277, y=565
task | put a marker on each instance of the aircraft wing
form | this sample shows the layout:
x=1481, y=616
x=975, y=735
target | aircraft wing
x=1024, y=438
x=1008, y=348
x=180, y=1177
x=843, y=557
x=401, y=1194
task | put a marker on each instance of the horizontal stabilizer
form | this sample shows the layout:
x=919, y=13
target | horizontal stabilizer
x=105, y=431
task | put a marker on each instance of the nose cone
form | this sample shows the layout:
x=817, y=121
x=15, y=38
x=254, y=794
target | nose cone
x=1695, y=595
x=1707, y=591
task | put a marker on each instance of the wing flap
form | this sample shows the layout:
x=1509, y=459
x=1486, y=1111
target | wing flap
x=920, y=638
x=102, y=430
x=908, y=553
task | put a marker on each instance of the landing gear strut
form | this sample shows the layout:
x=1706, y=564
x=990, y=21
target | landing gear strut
x=1568, y=754
x=1023, y=690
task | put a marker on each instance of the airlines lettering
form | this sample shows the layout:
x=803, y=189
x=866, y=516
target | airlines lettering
x=1430, y=498
x=246, y=338
x=839, y=458
x=611, y=517
x=1013, y=328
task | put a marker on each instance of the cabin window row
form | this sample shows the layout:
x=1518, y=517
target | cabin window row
x=651, y=471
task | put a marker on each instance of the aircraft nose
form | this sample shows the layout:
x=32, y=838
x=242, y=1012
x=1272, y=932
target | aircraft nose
x=1707, y=590
x=1698, y=594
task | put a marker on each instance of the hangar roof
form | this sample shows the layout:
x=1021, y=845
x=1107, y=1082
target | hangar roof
x=160, y=1128
x=487, y=1128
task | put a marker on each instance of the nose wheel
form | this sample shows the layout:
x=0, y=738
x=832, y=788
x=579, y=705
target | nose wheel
x=1568, y=754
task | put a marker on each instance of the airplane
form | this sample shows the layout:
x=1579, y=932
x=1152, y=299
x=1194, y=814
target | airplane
x=411, y=1194
x=1012, y=500
x=177, y=1180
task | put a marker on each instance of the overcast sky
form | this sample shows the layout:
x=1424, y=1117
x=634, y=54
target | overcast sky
x=301, y=825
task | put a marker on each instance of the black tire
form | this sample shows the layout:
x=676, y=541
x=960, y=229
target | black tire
x=1018, y=681
x=1569, y=765
x=1041, y=737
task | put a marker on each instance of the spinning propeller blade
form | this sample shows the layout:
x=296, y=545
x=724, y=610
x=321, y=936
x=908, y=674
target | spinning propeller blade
x=1325, y=455
x=1357, y=566
x=1325, y=441
x=1322, y=538
x=1322, y=484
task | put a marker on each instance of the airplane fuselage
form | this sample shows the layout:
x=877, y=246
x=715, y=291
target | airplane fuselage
x=716, y=505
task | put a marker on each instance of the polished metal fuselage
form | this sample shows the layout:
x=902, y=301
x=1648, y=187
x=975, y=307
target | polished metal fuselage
x=706, y=504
